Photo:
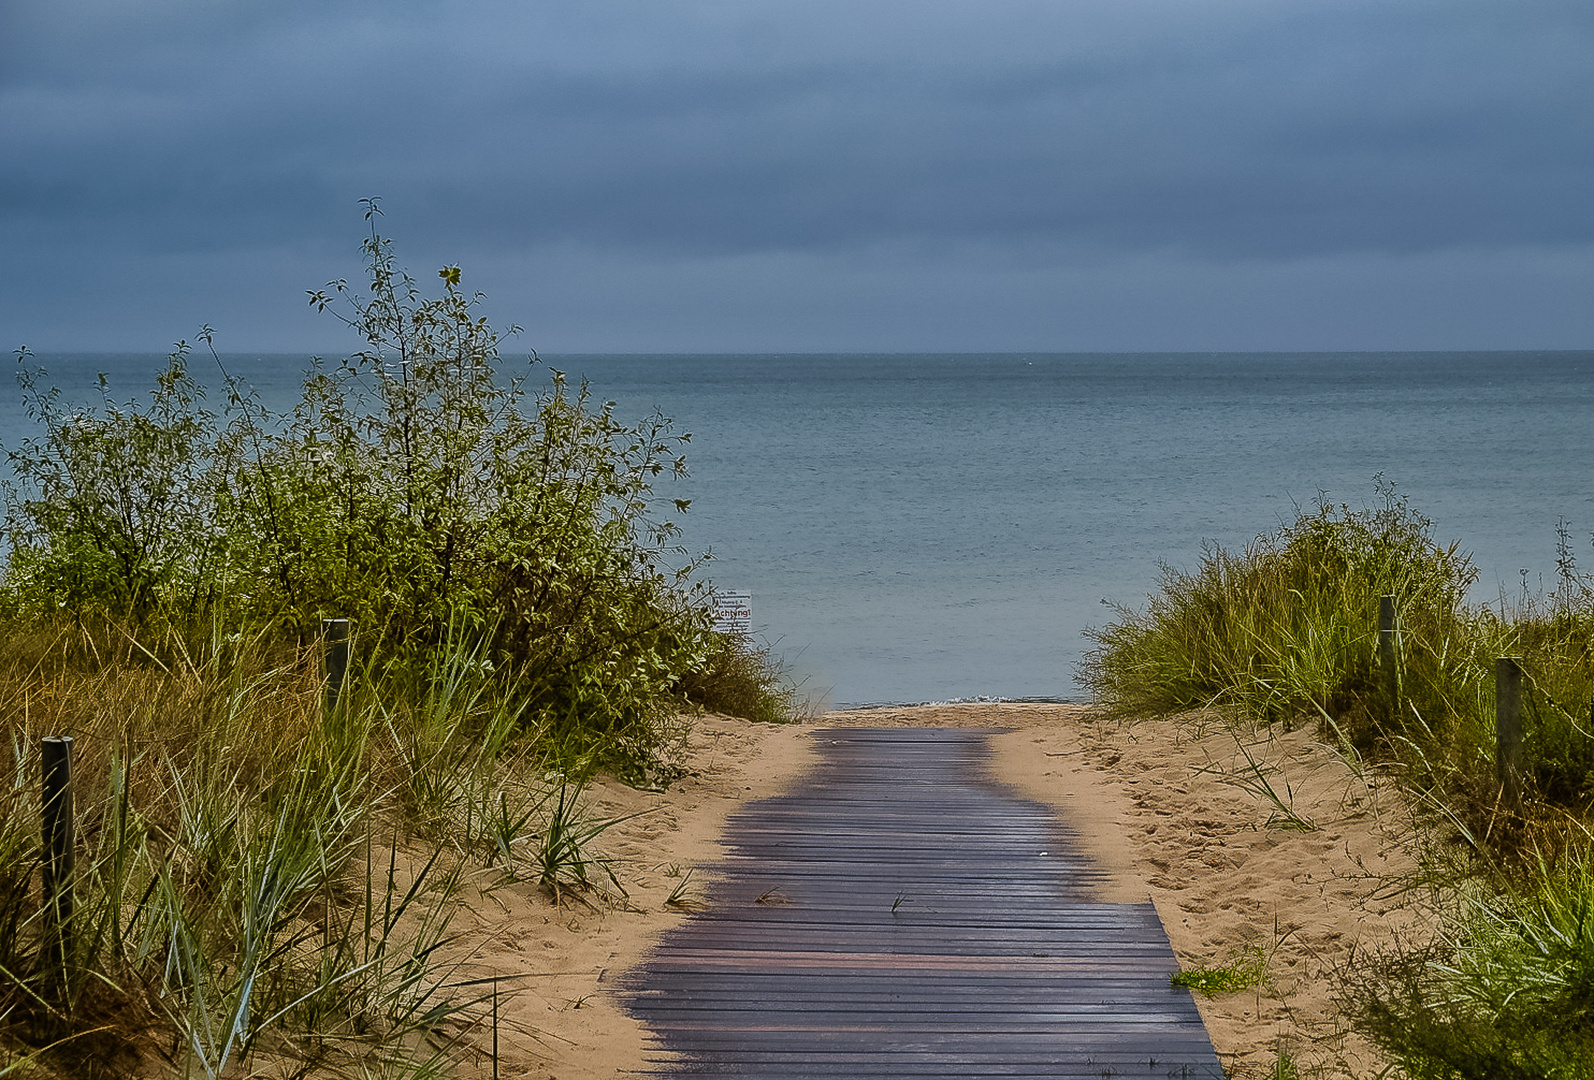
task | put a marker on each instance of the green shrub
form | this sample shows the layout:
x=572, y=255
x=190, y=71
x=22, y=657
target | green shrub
x=739, y=678
x=110, y=511
x=419, y=484
x=415, y=483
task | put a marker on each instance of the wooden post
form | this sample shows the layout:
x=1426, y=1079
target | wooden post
x=1389, y=652
x=335, y=633
x=1508, y=729
x=60, y=846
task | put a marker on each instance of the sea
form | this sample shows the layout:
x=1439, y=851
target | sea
x=929, y=527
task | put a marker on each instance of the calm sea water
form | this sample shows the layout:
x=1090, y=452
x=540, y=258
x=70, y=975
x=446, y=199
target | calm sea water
x=929, y=527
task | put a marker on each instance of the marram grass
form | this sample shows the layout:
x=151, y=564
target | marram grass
x=241, y=896
x=1287, y=631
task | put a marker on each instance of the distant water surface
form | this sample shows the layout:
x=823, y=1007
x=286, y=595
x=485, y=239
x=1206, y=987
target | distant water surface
x=926, y=527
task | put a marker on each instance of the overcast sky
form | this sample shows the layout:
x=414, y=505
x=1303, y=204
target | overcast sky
x=812, y=175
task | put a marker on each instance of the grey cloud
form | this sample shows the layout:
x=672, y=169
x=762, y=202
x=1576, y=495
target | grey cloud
x=711, y=130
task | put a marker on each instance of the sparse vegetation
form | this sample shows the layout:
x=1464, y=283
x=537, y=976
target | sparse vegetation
x=1244, y=973
x=740, y=678
x=683, y=896
x=1264, y=782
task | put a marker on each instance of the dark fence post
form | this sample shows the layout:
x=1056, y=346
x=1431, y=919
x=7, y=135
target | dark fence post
x=1389, y=651
x=1508, y=729
x=335, y=634
x=60, y=846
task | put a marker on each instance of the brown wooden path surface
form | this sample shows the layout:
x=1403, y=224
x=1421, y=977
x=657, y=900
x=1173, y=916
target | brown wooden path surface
x=902, y=915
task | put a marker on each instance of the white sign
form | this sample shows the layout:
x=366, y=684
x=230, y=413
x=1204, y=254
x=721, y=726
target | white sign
x=733, y=612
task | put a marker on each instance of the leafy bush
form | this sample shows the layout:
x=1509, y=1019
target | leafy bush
x=418, y=485
x=111, y=511
x=739, y=678
x=414, y=483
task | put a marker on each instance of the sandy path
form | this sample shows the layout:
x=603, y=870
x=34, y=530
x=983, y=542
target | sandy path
x=1172, y=813
x=556, y=1019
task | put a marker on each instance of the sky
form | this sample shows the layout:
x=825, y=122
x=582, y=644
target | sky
x=808, y=175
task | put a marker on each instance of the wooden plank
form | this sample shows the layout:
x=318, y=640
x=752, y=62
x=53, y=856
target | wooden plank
x=903, y=915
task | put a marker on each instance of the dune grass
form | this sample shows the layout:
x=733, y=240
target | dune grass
x=260, y=879
x=1506, y=990
x=1287, y=631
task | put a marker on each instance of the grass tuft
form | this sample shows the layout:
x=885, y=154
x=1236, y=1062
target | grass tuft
x=1244, y=973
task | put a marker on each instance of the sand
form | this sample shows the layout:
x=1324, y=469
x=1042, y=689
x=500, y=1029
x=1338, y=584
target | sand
x=557, y=961
x=1173, y=812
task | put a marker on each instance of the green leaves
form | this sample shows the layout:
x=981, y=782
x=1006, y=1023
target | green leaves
x=110, y=508
x=417, y=482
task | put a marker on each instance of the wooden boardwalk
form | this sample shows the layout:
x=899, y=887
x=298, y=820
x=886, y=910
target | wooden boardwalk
x=902, y=915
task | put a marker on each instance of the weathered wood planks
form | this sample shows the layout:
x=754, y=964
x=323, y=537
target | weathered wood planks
x=902, y=915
